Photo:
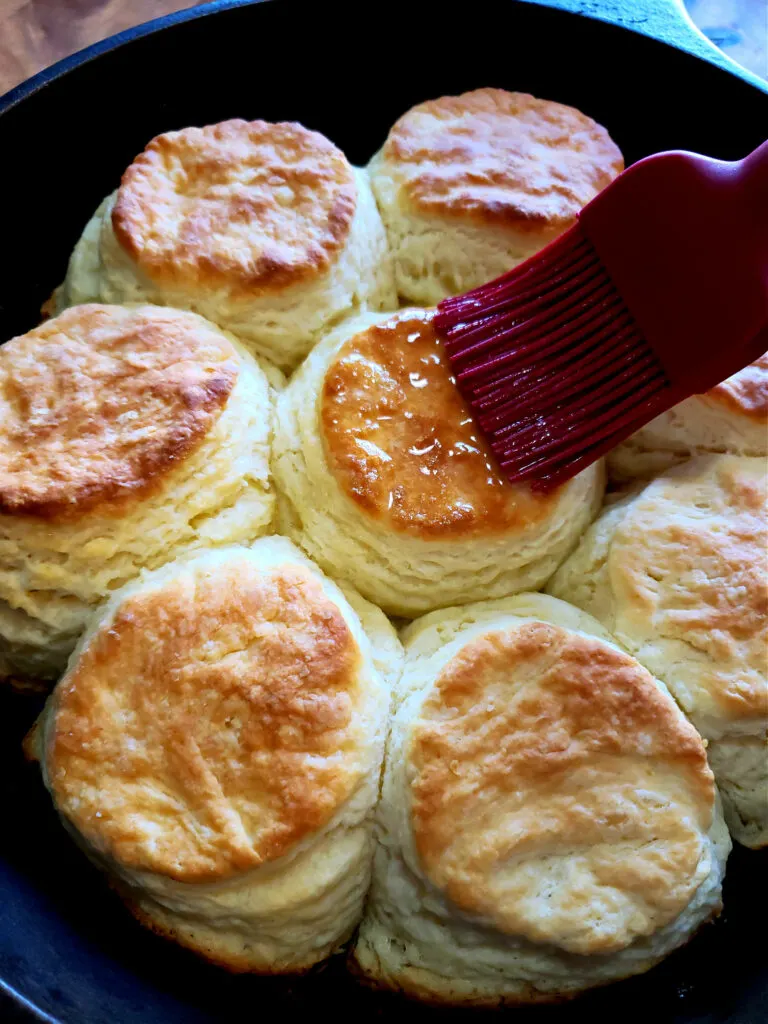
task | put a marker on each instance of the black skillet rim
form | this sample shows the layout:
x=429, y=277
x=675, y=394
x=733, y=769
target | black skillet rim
x=669, y=27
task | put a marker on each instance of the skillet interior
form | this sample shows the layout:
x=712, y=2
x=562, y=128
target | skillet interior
x=66, y=944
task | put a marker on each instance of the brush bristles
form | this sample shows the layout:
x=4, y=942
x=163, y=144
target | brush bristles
x=552, y=362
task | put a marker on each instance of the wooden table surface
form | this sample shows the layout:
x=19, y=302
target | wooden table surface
x=35, y=33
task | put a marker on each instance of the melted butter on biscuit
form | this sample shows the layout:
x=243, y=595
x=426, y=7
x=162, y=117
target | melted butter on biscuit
x=402, y=443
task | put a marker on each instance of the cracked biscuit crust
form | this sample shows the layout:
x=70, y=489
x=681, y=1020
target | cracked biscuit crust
x=677, y=572
x=501, y=158
x=102, y=401
x=577, y=782
x=211, y=724
x=244, y=207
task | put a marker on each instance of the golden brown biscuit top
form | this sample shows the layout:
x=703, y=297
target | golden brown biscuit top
x=501, y=158
x=688, y=564
x=746, y=392
x=98, y=403
x=583, y=794
x=402, y=444
x=211, y=725
x=244, y=207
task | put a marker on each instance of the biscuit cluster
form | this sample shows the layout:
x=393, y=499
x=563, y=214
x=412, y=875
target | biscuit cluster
x=319, y=676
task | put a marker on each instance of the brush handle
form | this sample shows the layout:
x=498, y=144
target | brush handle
x=751, y=174
x=747, y=183
x=685, y=240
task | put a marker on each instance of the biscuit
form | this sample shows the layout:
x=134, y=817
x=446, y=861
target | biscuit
x=731, y=418
x=386, y=483
x=215, y=746
x=677, y=571
x=126, y=436
x=265, y=229
x=548, y=819
x=469, y=186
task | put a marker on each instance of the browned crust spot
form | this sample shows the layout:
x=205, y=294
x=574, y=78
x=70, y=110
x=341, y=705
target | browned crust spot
x=241, y=207
x=211, y=724
x=100, y=403
x=746, y=393
x=690, y=559
x=545, y=745
x=401, y=442
x=501, y=158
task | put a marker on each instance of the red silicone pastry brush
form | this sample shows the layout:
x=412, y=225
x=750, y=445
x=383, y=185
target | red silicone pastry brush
x=658, y=292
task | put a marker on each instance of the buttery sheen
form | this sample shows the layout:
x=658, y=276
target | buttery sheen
x=402, y=443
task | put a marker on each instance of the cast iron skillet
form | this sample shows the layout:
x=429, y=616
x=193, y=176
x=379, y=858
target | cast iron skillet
x=69, y=953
